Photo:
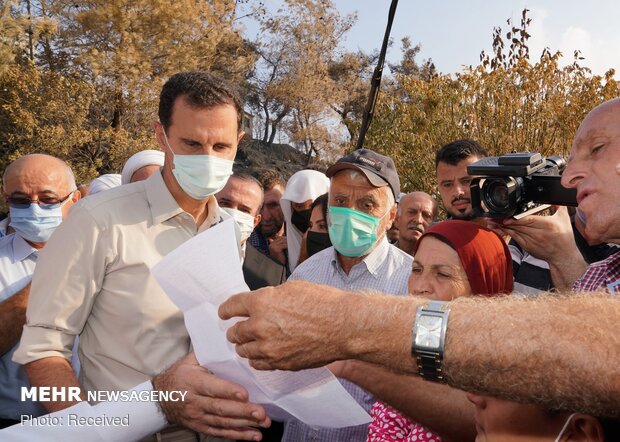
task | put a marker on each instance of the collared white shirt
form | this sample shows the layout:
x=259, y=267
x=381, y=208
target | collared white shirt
x=93, y=279
x=386, y=269
x=17, y=262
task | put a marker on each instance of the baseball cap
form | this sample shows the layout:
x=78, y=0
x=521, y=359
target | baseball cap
x=379, y=169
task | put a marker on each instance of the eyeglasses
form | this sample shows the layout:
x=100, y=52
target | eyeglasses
x=45, y=202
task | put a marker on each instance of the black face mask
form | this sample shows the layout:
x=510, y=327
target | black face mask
x=317, y=241
x=301, y=219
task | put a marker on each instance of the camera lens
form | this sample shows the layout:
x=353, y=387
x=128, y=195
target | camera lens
x=497, y=195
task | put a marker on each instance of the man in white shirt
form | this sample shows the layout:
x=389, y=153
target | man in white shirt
x=40, y=190
x=94, y=278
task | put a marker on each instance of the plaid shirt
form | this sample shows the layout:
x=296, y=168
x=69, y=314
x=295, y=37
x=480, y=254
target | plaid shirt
x=259, y=242
x=601, y=274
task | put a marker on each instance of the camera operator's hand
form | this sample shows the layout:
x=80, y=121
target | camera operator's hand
x=551, y=239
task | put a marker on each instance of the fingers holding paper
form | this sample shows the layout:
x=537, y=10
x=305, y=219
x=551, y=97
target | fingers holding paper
x=289, y=327
x=212, y=406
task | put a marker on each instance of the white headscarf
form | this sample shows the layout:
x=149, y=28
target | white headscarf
x=104, y=182
x=303, y=185
x=139, y=160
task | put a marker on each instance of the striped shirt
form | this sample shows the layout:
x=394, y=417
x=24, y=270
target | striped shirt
x=386, y=269
x=532, y=275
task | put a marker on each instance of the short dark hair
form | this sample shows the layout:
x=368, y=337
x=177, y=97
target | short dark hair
x=249, y=178
x=201, y=89
x=269, y=178
x=457, y=151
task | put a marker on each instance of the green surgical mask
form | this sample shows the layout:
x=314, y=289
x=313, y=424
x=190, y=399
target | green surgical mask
x=353, y=233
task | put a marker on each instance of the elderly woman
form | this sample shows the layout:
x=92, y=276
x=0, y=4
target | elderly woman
x=461, y=258
x=452, y=259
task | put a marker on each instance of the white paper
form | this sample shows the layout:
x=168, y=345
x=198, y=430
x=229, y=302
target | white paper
x=201, y=274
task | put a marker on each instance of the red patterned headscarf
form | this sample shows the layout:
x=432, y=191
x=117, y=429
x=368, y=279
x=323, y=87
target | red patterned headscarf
x=484, y=254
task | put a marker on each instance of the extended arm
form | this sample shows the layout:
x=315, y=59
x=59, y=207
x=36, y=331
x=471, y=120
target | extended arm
x=442, y=409
x=560, y=352
x=12, y=319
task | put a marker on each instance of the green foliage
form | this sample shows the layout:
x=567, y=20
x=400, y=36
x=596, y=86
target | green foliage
x=82, y=79
x=506, y=104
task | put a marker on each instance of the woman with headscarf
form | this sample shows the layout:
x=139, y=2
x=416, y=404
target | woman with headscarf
x=317, y=236
x=451, y=259
x=296, y=202
x=461, y=258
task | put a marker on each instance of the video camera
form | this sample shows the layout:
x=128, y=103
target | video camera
x=518, y=184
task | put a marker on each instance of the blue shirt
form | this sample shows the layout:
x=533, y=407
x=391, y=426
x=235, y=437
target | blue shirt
x=386, y=269
x=17, y=262
x=3, y=226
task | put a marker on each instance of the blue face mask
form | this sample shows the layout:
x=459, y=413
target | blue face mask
x=35, y=223
x=353, y=233
x=200, y=176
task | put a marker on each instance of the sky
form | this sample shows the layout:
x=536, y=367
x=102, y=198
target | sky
x=453, y=33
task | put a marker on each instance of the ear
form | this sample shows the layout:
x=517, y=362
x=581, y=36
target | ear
x=76, y=196
x=257, y=219
x=159, y=135
x=240, y=136
x=393, y=214
x=584, y=428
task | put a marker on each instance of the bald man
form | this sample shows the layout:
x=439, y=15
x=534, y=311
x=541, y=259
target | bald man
x=416, y=211
x=40, y=190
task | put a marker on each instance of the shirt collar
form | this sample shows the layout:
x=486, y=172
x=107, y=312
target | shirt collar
x=373, y=261
x=215, y=215
x=613, y=265
x=21, y=249
x=161, y=202
x=163, y=205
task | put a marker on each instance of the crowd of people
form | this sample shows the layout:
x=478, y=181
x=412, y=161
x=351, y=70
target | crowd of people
x=464, y=329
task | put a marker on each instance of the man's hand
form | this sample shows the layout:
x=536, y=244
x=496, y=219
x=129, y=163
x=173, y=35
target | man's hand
x=551, y=239
x=277, y=248
x=545, y=237
x=293, y=326
x=212, y=406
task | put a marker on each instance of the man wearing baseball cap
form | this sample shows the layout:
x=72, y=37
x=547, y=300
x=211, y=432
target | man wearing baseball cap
x=362, y=195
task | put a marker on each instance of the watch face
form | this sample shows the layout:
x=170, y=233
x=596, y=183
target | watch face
x=428, y=331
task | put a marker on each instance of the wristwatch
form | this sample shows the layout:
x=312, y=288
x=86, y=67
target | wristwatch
x=429, y=338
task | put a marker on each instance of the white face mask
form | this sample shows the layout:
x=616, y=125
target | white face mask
x=245, y=221
x=557, y=439
x=200, y=176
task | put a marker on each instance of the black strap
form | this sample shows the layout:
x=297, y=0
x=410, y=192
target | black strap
x=375, y=82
